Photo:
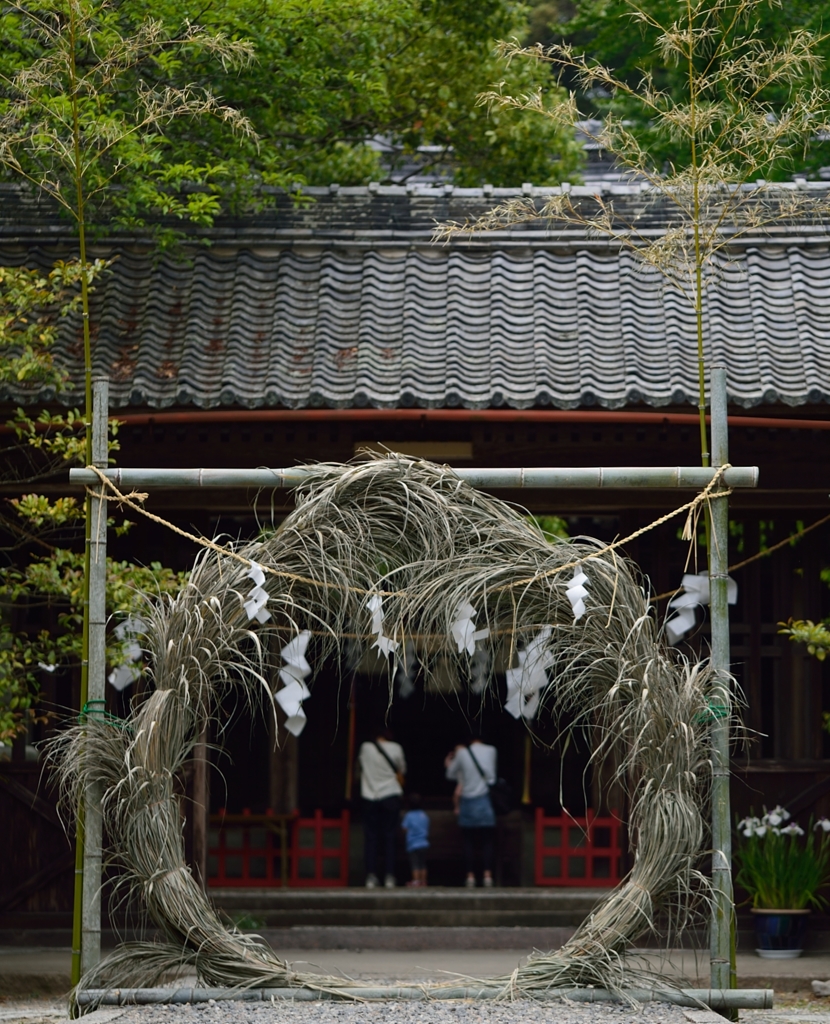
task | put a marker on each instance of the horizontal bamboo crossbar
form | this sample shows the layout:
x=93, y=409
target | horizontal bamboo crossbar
x=623, y=478
x=717, y=999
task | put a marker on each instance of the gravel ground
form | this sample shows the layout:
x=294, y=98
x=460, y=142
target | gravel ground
x=33, y=1011
x=519, y=1012
x=804, y=1011
x=405, y=1012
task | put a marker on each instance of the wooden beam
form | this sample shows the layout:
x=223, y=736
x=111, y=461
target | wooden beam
x=31, y=800
x=37, y=881
x=809, y=796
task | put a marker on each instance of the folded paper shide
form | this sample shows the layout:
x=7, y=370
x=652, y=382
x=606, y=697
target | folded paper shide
x=576, y=592
x=464, y=630
x=695, y=594
x=293, y=675
x=258, y=597
x=525, y=683
x=129, y=670
x=385, y=644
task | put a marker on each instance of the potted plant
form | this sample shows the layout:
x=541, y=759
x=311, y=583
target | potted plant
x=782, y=867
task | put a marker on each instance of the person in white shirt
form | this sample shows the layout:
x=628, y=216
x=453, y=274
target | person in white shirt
x=382, y=770
x=474, y=767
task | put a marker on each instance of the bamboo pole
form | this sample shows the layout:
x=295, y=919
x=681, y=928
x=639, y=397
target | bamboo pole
x=722, y=962
x=720, y=999
x=96, y=700
x=669, y=477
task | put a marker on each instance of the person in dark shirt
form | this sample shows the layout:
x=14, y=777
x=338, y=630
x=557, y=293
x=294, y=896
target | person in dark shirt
x=382, y=769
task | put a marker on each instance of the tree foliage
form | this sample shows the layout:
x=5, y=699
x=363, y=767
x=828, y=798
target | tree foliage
x=86, y=97
x=28, y=301
x=296, y=90
x=329, y=75
x=56, y=579
x=46, y=532
x=720, y=120
x=628, y=38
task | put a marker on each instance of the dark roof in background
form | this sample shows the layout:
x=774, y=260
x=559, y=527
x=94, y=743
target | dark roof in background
x=346, y=302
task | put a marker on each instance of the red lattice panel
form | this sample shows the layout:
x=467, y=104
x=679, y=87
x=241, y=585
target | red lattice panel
x=248, y=853
x=577, y=851
x=244, y=854
x=320, y=851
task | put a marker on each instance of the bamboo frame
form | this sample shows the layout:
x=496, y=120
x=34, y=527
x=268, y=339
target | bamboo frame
x=667, y=477
x=96, y=687
x=716, y=999
x=722, y=947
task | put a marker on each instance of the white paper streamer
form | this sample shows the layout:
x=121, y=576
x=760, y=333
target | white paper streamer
x=258, y=597
x=385, y=644
x=296, y=723
x=525, y=683
x=695, y=594
x=293, y=675
x=407, y=668
x=124, y=675
x=290, y=698
x=480, y=669
x=294, y=652
x=576, y=592
x=464, y=630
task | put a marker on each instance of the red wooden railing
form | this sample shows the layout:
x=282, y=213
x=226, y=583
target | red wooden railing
x=577, y=851
x=320, y=851
x=271, y=850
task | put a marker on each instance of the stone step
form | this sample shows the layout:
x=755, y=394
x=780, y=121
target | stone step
x=399, y=908
x=414, y=938
x=401, y=897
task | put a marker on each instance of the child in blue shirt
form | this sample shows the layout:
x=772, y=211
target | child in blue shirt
x=416, y=825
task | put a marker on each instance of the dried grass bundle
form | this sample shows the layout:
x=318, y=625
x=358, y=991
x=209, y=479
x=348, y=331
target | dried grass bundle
x=414, y=534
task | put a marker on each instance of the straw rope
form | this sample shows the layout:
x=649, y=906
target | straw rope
x=131, y=501
x=793, y=537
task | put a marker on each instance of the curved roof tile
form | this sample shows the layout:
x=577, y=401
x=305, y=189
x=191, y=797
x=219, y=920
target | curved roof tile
x=345, y=302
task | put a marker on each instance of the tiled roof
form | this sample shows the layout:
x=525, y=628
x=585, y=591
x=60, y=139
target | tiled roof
x=345, y=302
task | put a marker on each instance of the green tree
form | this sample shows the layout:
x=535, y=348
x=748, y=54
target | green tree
x=720, y=121
x=54, y=575
x=619, y=35
x=816, y=635
x=45, y=532
x=86, y=98
x=75, y=117
x=328, y=76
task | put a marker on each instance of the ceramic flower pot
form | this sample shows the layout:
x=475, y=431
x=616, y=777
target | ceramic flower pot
x=780, y=933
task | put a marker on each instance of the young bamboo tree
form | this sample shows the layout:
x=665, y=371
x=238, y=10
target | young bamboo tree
x=79, y=115
x=748, y=108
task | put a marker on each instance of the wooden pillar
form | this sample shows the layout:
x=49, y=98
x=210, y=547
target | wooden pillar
x=751, y=594
x=283, y=796
x=200, y=809
x=797, y=681
x=814, y=725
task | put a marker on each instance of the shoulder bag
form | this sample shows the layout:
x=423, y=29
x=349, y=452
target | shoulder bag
x=501, y=792
x=391, y=763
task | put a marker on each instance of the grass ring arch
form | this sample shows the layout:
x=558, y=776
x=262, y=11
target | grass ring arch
x=414, y=533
